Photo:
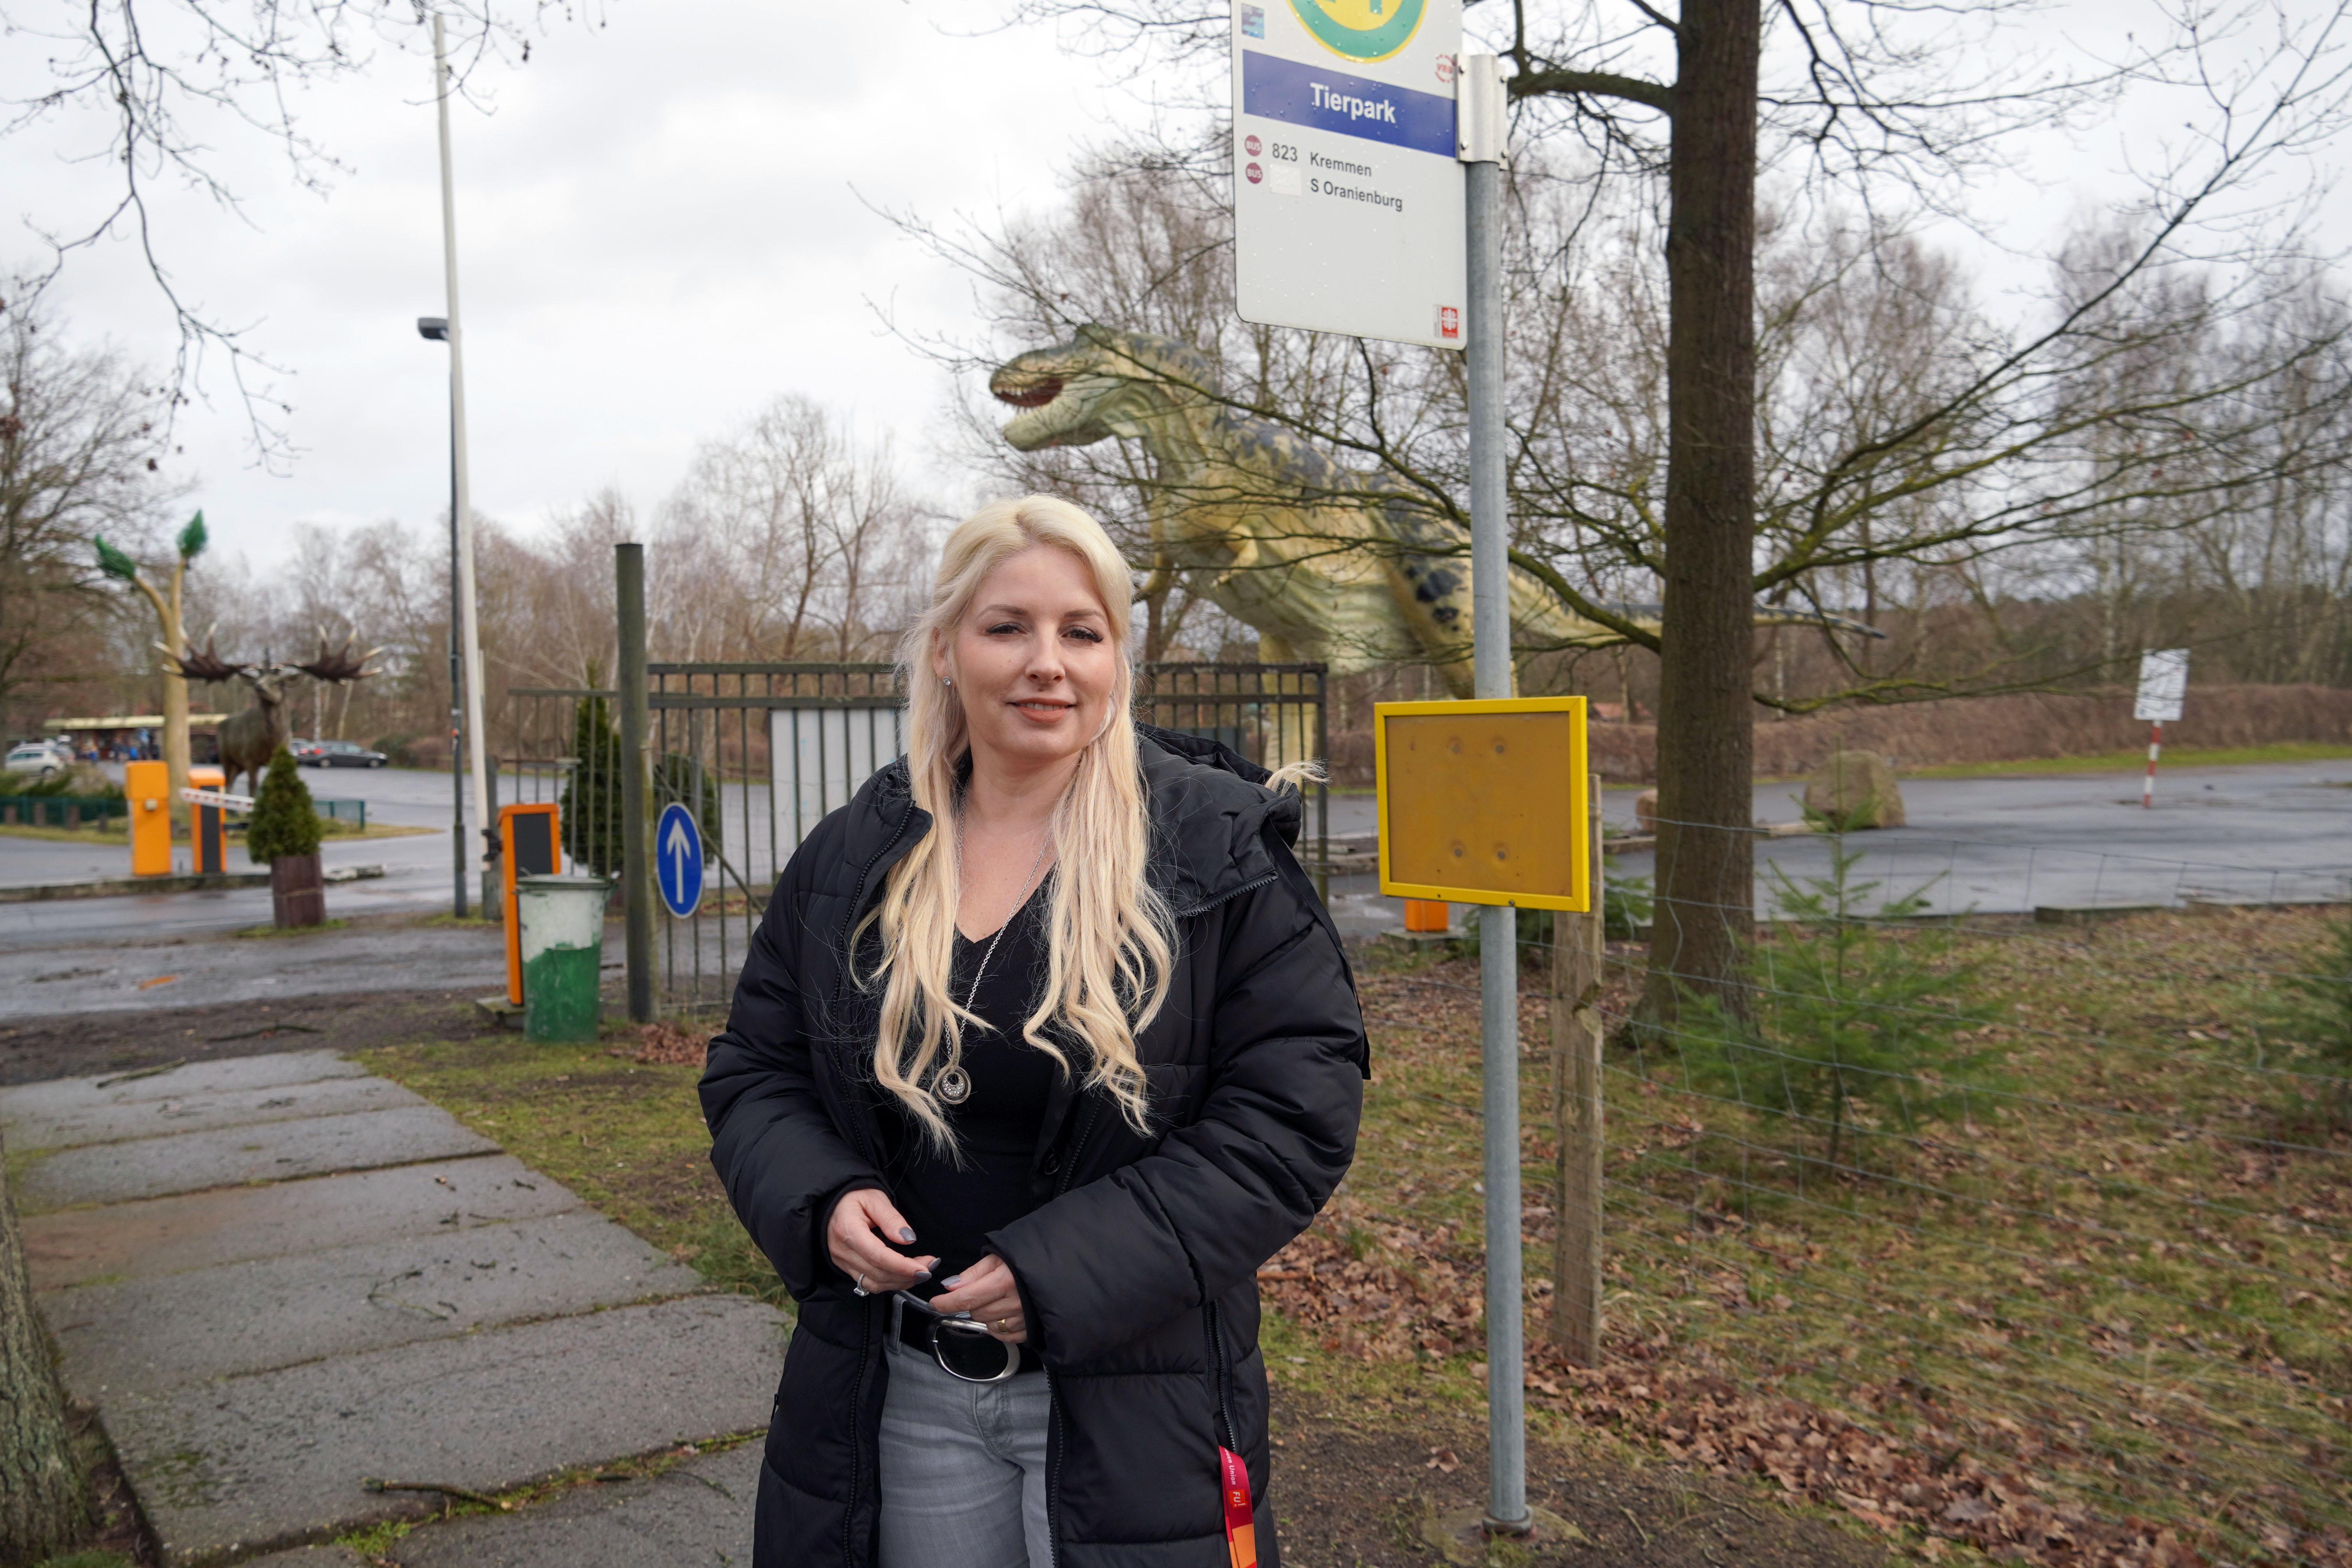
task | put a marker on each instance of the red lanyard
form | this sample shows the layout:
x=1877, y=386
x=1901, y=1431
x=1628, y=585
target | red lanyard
x=1241, y=1525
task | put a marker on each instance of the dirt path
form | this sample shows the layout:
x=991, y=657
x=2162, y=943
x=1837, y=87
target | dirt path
x=82, y=1045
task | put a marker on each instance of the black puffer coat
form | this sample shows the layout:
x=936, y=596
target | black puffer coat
x=1138, y=1269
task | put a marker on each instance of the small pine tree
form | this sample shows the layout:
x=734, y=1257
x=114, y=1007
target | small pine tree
x=1843, y=1012
x=284, y=821
x=590, y=806
x=2314, y=1013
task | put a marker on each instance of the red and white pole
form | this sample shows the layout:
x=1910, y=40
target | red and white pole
x=2155, y=744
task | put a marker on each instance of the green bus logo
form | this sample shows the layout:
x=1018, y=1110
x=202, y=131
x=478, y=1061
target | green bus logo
x=1361, y=30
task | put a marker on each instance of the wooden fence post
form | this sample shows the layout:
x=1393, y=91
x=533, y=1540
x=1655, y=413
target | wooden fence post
x=1575, y=969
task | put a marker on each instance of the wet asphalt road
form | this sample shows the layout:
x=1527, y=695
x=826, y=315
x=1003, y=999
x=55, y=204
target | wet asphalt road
x=1993, y=845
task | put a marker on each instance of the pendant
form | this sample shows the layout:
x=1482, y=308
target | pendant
x=953, y=1085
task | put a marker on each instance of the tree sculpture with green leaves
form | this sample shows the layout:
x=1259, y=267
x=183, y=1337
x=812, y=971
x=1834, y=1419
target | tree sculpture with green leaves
x=166, y=603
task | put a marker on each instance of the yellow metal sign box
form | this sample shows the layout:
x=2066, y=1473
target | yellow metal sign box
x=1484, y=802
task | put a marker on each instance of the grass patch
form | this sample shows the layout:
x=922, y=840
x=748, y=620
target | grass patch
x=2123, y=1282
x=263, y=934
x=627, y=1137
x=2136, y=760
x=113, y=832
x=2111, y=1301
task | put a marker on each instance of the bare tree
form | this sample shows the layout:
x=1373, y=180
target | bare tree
x=80, y=454
x=796, y=540
x=162, y=77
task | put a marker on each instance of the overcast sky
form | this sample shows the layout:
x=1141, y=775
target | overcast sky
x=658, y=232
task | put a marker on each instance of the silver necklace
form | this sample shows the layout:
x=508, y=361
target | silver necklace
x=952, y=1084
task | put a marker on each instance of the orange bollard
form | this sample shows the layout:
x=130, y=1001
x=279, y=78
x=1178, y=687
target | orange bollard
x=1426, y=915
x=149, y=786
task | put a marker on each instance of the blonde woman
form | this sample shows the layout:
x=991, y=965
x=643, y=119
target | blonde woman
x=1044, y=1045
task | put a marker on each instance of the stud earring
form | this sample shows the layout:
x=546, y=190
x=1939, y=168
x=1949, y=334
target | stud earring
x=946, y=683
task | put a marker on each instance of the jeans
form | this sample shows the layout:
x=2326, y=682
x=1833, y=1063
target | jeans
x=963, y=1468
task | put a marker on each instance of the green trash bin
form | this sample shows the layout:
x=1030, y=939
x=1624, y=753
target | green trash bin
x=560, y=923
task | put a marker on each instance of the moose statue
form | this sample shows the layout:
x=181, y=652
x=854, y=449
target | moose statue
x=248, y=740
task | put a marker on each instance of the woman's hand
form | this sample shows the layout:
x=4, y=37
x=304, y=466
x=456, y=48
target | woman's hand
x=988, y=1292
x=853, y=1238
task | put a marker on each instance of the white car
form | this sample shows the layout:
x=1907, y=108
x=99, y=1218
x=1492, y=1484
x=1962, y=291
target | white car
x=37, y=758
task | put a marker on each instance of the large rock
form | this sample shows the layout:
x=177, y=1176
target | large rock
x=1855, y=789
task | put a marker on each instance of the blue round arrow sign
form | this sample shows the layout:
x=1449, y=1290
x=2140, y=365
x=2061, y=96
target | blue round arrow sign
x=677, y=860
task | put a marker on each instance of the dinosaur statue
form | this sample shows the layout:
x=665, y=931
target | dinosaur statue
x=248, y=740
x=1324, y=565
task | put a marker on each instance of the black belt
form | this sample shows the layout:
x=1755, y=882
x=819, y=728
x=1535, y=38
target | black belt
x=914, y=1332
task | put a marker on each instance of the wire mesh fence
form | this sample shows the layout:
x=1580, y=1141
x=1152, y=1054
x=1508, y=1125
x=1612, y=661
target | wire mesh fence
x=2031, y=1237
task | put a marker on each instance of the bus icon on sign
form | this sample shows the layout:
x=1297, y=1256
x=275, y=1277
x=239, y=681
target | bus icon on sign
x=1449, y=323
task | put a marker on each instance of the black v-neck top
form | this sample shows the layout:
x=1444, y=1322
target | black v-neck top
x=953, y=1207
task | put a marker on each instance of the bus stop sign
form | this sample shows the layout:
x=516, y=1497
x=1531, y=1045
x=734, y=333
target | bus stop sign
x=1347, y=195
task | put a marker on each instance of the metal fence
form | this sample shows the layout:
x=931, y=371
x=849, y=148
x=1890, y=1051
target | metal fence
x=761, y=752
x=61, y=810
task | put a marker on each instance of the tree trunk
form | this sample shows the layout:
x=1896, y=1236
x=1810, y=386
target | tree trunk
x=298, y=891
x=41, y=1503
x=1706, y=745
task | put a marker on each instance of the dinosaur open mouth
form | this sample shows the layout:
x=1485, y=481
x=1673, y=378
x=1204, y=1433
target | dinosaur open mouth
x=1027, y=394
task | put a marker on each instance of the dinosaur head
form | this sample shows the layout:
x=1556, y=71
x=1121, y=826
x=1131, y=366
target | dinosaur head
x=1102, y=382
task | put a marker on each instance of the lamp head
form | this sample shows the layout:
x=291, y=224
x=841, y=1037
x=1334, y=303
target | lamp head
x=434, y=328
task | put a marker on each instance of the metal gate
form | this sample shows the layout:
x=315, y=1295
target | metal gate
x=761, y=752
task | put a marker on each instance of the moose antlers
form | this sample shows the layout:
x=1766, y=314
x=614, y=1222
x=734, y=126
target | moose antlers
x=190, y=665
x=339, y=665
x=336, y=665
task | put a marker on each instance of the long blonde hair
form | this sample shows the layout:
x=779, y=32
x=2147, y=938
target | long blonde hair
x=1111, y=939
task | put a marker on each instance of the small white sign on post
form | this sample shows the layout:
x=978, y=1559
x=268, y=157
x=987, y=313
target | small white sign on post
x=2163, y=684
x=1348, y=195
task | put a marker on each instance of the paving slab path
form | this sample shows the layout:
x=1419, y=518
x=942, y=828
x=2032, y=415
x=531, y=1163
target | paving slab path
x=278, y=1277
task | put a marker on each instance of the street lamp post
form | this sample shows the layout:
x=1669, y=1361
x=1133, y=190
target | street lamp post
x=436, y=329
x=461, y=523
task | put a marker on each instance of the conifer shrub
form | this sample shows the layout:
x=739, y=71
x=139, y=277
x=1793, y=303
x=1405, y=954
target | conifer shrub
x=588, y=809
x=1847, y=1011
x=284, y=821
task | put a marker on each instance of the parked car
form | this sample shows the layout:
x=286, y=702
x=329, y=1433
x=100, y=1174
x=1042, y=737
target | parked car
x=39, y=759
x=307, y=753
x=341, y=755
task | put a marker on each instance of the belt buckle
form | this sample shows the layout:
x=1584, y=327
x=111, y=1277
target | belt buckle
x=941, y=1323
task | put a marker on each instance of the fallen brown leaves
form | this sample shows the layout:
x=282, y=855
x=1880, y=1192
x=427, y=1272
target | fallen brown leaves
x=1941, y=1479
x=670, y=1045
x=2101, y=1324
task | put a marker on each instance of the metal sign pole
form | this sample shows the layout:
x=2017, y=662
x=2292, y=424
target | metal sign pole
x=1481, y=127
